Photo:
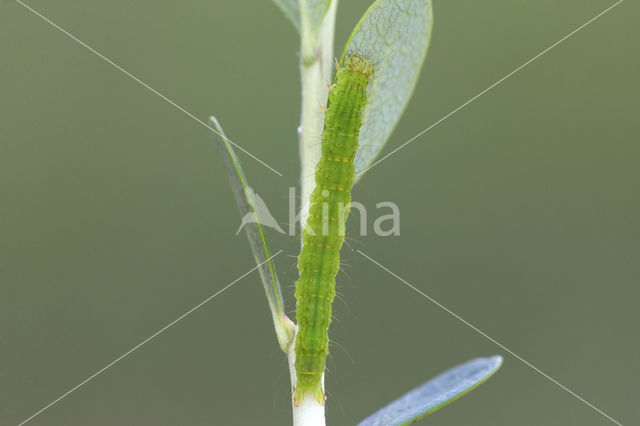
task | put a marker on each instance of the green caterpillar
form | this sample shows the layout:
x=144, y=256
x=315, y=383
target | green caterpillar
x=324, y=232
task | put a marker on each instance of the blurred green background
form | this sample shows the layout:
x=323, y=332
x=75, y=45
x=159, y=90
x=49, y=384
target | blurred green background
x=520, y=213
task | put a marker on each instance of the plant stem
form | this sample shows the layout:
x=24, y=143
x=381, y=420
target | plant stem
x=316, y=62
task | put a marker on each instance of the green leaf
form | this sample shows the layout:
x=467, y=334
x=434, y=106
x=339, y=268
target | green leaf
x=291, y=9
x=312, y=12
x=395, y=34
x=248, y=202
x=436, y=393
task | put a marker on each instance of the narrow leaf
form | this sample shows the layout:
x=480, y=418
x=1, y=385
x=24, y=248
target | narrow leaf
x=314, y=11
x=250, y=208
x=291, y=9
x=395, y=34
x=436, y=393
x=309, y=11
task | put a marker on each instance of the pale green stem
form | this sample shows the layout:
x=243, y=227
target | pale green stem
x=316, y=62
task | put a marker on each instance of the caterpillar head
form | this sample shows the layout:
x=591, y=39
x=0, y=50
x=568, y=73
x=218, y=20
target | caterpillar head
x=358, y=63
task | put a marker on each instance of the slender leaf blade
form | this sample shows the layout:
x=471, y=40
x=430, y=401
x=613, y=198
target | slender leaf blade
x=310, y=11
x=395, y=34
x=436, y=393
x=246, y=200
x=315, y=11
x=291, y=9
